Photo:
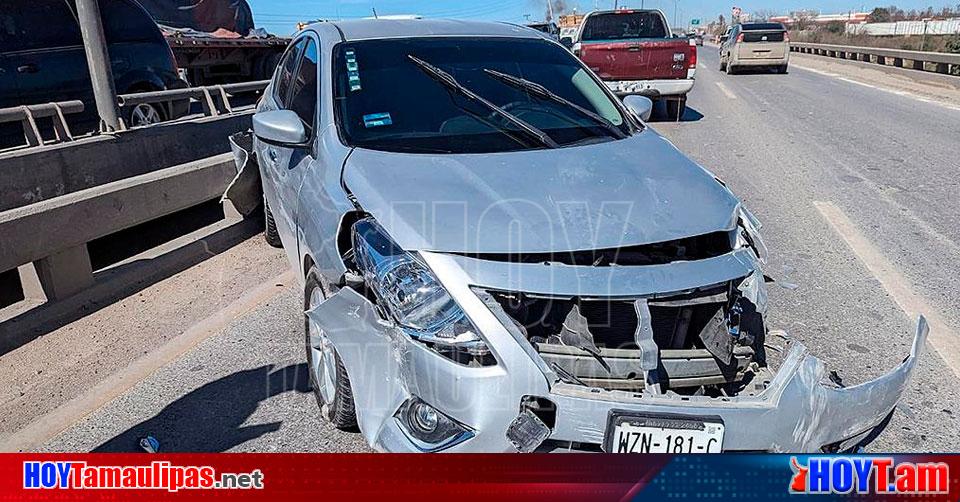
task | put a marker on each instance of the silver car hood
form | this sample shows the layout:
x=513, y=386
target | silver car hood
x=640, y=190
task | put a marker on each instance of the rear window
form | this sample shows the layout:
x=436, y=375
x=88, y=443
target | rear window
x=763, y=27
x=763, y=36
x=624, y=26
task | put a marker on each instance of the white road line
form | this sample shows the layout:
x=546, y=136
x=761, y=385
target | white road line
x=945, y=341
x=726, y=91
x=878, y=88
x=46, y=427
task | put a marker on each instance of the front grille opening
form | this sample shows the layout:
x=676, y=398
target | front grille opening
x=708, y=343
x=699, y=247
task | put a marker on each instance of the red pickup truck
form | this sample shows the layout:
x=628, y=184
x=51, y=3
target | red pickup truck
x=633, y=52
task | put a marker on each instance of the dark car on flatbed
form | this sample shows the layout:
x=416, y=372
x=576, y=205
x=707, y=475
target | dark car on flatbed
x=42, y=60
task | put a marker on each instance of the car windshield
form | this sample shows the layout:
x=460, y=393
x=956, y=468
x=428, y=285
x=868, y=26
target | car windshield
x=385, y=101
x=623, y=25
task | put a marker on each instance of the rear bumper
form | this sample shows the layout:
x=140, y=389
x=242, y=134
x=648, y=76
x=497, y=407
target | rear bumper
x=762, y=62
x=651, y=88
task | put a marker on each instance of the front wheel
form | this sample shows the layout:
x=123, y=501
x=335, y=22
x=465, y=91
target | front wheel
x=270, y=227
x=328, y=376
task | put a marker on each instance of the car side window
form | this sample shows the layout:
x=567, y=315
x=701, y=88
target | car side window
x=287, y=66
x=124, y=21
x=303, y=101
x=38, y=25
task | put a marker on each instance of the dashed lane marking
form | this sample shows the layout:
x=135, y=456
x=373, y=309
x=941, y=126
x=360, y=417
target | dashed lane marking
x=46, y=427
x=726, y=91
x=944, y=340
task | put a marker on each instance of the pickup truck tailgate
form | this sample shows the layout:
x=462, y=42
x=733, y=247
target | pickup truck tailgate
x=637, y=59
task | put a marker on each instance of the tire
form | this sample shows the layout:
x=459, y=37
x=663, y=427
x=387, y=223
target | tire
x=676, y=108
x=782, y=69
x=145, y=114
x=339, y=408
x=270, y=227
x=723, y=66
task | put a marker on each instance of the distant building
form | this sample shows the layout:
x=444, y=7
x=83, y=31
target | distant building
x=821, y=19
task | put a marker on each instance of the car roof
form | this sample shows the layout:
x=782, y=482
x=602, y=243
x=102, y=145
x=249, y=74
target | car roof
x=365, y=29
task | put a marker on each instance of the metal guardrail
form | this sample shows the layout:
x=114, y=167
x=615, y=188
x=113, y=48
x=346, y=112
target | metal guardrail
x=215, y=100
x=205, y=95
x=28, y=115
x=939, y=62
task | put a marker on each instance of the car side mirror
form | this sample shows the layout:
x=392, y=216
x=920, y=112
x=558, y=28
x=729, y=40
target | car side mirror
x=567, y=42
x=640, y=105
x=281, y=127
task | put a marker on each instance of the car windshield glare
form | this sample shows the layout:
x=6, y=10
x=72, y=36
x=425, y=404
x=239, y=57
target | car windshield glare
x=384, y=101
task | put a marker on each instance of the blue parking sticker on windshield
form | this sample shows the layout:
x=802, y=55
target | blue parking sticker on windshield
x=377, y=120
x=353, y=70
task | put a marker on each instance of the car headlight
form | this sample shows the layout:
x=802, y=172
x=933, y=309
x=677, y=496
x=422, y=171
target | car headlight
x=410, y=293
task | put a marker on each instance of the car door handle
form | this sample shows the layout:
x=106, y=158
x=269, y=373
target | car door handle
x=28, y=68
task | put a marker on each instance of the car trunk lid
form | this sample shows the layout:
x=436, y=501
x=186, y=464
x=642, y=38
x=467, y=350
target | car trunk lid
x=765, y=44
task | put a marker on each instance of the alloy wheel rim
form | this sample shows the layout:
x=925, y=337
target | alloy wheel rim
x=144, y=114
x=323, y=361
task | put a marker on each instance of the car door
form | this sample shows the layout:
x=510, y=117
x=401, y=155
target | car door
x=48, y=54
x=276, y=99
x=10, y=133
x=286, y=165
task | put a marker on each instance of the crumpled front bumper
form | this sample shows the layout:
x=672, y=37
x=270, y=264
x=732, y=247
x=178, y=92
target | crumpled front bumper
x=799, y=411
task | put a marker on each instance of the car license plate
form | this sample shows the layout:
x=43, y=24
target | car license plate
x=663, y=434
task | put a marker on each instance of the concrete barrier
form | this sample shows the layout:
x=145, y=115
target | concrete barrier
x=33, y=175
x=939, y=62
x=52, y=234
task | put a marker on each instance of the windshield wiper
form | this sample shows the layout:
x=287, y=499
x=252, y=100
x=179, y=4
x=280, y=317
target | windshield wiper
x=544, y=93
x=451, y=83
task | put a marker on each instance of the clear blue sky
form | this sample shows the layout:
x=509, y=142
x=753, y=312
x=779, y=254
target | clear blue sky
x=281, y=16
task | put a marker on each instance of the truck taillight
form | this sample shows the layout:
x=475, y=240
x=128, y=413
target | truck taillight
x=692, y=59
x=786, y=37
x=740, y=38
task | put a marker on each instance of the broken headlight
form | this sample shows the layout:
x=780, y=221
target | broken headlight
x=410, y=293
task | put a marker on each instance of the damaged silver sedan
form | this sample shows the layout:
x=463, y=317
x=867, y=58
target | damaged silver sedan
x=498, y=255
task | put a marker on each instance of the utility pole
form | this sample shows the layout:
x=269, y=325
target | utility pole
x=923, y=41
x=676, y=18
x=374, y=12
x=549, y=10
x=98, y=62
